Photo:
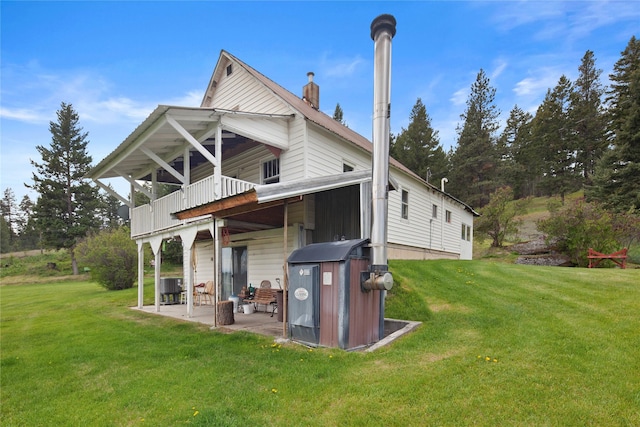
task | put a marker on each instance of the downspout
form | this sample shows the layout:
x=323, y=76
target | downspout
x=442, y=215
x=286, y=276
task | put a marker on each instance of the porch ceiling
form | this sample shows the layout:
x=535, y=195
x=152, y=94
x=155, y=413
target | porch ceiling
x=158, y=136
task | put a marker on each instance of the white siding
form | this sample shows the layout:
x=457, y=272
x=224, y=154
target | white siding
x=293, y=160
x=326, y=154
x=204, y=262
x=266, y=253
x=240, y=91
x=466, y=247
x=421, y=230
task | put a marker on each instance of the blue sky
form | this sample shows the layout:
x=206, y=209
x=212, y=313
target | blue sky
x=116, y=61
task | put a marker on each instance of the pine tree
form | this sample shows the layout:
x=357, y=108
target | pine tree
x=67, y=206
x=552, y=130
x=474, y=161
x=9, y=210
x=338, y=115
x=418, y=146
x=617, y=180
x=110, y=217
x=587, y=117
x=517, y=166
x=5, y=232
x=28, y=235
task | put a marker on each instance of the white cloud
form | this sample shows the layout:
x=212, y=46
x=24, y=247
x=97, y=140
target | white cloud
x=341, y=67
x=24, y=115
x=459, y=97
x=565, y=20
x=35, y=95
x=538, y=82
x=500, y=65
x=192, y=98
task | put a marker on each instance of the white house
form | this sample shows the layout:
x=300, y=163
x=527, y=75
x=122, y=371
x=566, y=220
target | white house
x=261, y=172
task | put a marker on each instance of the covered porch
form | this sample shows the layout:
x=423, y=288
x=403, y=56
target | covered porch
x=259, y=322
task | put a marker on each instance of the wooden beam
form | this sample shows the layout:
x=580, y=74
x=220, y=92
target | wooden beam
x=219, y=205
x=242, y=203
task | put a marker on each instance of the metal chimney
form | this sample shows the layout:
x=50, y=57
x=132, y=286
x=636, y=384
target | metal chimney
x=383, y=28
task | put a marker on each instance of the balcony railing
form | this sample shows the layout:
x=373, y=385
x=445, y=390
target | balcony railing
x=156, y=216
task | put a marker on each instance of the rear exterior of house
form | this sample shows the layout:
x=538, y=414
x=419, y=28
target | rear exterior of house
x=267, y=173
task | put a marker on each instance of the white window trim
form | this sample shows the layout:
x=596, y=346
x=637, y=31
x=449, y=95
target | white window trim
x=272, y=179
x=404, y=207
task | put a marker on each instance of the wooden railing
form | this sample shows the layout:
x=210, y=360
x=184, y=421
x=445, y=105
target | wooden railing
x=156, y=216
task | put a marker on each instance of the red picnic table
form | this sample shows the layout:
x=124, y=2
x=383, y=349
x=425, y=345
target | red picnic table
x=620, y=258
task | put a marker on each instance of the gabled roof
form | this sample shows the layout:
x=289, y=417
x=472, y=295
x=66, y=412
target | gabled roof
x=329, y=123
x=158, y=135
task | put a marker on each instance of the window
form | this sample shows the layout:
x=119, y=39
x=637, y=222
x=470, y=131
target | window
x=435, y=211
x=466, y=232
x=405, y=204
x=271, y=171
x=229, y=69
x=346, y=168
x=447, y=216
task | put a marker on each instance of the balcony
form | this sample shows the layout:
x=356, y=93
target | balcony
x=156, y=216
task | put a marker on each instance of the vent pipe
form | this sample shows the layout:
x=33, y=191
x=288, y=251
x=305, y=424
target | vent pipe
x=383, y=28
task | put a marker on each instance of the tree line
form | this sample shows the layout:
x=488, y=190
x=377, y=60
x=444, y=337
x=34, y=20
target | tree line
x=583, y=136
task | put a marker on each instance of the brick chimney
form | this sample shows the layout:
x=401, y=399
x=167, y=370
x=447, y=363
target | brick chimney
x=311, y=92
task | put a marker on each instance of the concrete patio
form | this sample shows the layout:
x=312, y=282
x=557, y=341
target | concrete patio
x=262, y=323
x=258, y=322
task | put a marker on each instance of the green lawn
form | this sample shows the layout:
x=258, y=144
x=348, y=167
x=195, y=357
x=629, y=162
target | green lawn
x=501, y=344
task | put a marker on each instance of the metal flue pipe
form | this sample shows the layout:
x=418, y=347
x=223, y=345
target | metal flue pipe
x=383, y=28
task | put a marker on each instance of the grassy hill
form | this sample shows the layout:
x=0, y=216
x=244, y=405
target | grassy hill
x=500, y=344
x=537, y=209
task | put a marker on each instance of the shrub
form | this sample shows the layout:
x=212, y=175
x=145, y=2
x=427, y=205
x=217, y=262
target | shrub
x=112, y=258
x=497, y=218
x=581, y=225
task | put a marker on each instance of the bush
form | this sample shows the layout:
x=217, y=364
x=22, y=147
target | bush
x=497, y=218
x=112, y=258
x=581, y=225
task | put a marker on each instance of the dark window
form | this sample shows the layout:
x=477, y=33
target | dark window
x=405, y=204
x=434, y=212
x=271, y=171
x=229, y=69
x=447, y=216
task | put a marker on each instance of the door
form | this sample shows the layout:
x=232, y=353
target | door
x=234, y=270
x=303, y=309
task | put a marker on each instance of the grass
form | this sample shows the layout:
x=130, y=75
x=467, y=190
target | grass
x=500, y=344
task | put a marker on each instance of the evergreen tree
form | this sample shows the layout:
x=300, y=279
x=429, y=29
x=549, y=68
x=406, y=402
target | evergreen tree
x=552, y=129
x=518, y=166
x=474, y=161
x=110, y=217
x=5, y=232
x=418, y=146
x=9, y=210
x=29, y=237
x=338, y=115
x=587, y=117
x=617, y=180
x=67, y=206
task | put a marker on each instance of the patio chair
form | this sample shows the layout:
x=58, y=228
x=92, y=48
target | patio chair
x=265, y=284
x=205, y=293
